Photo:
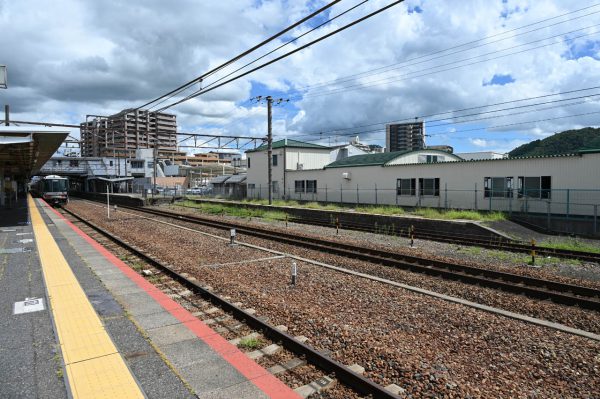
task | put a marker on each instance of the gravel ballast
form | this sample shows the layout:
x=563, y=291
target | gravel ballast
x=429, y=347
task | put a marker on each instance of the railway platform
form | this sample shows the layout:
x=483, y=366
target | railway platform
x=77, y=322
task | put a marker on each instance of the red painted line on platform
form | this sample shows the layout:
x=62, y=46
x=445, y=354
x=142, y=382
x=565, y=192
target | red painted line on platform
x=260, y=377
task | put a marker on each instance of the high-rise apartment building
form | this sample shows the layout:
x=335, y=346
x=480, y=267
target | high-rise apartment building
x=121, y=134
x=404, y=136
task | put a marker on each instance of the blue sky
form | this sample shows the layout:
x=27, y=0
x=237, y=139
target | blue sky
x=94, y=58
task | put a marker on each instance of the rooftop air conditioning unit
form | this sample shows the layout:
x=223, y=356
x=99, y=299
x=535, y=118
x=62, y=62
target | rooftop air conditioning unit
x=299, y=166
x=347, y=175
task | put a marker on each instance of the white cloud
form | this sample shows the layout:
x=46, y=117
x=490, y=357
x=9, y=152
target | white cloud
x=479, y=142
x=77, y=58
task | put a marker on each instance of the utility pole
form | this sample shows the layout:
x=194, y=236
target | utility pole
x=155, y=156
x=270, y=147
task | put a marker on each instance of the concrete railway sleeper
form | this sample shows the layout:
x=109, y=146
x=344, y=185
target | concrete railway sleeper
x=499, y=243
x=566, y=294
x=467, y=240
x=347, y=375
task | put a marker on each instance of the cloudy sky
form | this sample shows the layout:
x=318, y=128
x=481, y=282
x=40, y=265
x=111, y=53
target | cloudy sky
x=70, y=58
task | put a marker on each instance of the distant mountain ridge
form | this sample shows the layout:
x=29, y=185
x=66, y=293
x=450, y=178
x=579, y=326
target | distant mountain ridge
x=565, y=142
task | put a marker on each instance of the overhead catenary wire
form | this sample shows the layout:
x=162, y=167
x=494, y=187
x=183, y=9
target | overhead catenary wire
x=412, y=118
x=239, y=56
x=286, y=43
x=395, y=65
x=488, y=127
x=398, y=78
x=204, y=91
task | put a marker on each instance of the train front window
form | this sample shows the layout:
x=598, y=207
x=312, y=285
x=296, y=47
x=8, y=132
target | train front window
x=55, y=186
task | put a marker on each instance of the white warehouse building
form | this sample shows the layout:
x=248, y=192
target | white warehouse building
x=560, y=184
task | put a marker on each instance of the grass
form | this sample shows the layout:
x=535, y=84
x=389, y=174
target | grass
x=518, y=258
x=390, y=210
x=250, y=343
x=381, y=210
x=571, y=244
x=432, y=213
x=232, y=210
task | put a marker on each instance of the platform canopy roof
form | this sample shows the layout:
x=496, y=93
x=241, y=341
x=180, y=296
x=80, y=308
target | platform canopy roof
x=24, y=150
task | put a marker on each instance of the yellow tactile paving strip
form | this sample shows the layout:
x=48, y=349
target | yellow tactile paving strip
x=95, y=369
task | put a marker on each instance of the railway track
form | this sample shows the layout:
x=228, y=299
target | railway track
x=566, y=294
x=229, y=315
x=501, y=244
x=467, y=240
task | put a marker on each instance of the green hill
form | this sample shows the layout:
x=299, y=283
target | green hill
x=560, y=143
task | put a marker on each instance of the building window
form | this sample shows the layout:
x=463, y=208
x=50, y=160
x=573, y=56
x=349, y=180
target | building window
x=299, y=186
x=275, y=186
x=498, y=187
x=430, y=158
x=248, y=162
x=274, y=159
x=311, y=186
x=535, y=187
x=406, y=187
x=429, y=187
x=111, y=163
x=251, y=186
x=137, y=164
x=73, y=163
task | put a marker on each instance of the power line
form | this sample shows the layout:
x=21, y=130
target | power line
x=521, y=123
x=286, y=43
x=488, y=127
x=200, y=92
x=372, y=71
x=218, y=68
x=465, y=122
x=409, y=119
x=406, y=76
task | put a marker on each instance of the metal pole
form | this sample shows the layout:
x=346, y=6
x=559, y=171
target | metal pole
x=341, y=195
x=270, y=148
x=446, y=195
x=376, y=203
x=475, y=196
x=548, y=216
x=6, y=115
x=357, y=197
x=326, y=193
x=107, y=202
x=568, y=202
x=595, y=219
x=154, y=172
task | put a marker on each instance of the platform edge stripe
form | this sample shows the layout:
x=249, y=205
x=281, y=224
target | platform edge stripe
x=53, y=261
x=266, y=382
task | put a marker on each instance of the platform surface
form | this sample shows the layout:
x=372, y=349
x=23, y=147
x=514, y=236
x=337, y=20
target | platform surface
x=104, y=331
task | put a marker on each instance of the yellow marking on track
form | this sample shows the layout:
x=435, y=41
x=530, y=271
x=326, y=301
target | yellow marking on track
x=95, y=369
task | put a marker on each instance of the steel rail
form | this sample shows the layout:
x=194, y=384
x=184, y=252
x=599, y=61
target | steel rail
x=342, y=373
x=566, y=294
x=469, y=240
x=502, y=244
